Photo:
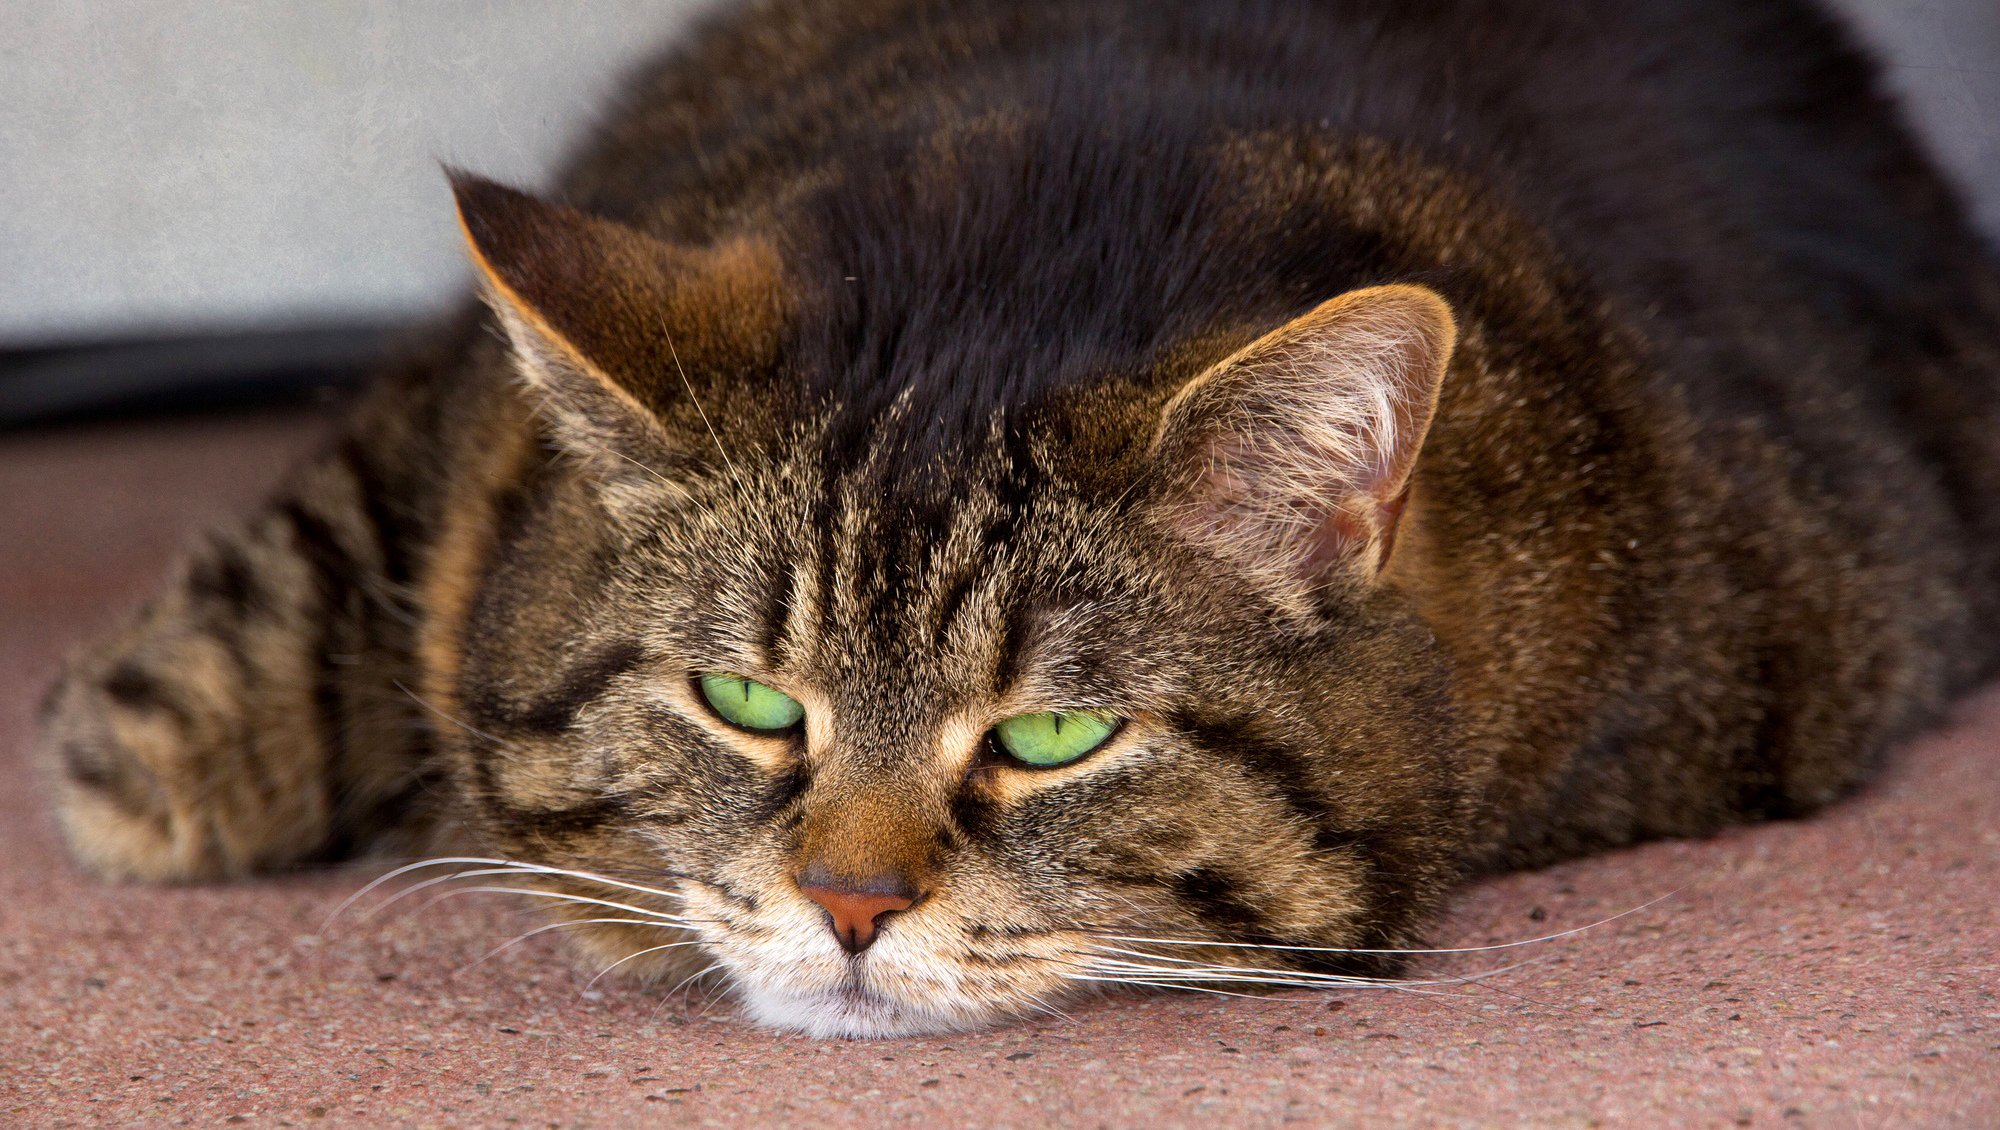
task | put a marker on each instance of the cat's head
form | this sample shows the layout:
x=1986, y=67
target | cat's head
x=930, y=710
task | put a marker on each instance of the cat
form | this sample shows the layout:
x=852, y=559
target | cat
x=958, y=505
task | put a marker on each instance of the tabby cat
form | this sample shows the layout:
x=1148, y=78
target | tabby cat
x=965, y=503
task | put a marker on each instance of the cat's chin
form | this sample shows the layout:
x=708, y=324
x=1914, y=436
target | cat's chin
x=857, y=1013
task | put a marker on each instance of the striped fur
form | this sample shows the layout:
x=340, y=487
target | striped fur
x=1654, y=491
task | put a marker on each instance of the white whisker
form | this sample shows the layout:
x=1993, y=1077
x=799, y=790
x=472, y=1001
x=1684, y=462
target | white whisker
x=564, y=896
x=696, y=401
x=505, y=946
x=525, y=871
x=1182, y=961
x=1189, y=974
x=693, y=977
x=1184, y=988
x=630, y=956
x=1224, y=975
x=686, y=494
x=498, y=867
x=475, y=731
x=1342, y=949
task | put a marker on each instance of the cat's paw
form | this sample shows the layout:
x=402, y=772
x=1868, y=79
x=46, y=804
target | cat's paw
x=158, y=778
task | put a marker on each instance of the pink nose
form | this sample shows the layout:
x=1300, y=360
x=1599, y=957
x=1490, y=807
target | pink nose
x=855, y=909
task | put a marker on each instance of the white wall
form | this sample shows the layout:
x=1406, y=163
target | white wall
x=176, y=163
x=221, y=161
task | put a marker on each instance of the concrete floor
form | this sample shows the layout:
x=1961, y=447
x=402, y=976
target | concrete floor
x=1834, y=972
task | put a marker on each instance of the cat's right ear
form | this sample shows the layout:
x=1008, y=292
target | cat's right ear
x=1293, y=457
x=614, y=329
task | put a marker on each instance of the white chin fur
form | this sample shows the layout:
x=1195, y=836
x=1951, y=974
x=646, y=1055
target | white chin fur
x=854, y=1015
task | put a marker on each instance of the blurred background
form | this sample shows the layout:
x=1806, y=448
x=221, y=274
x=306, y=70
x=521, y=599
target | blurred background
x=222, y=201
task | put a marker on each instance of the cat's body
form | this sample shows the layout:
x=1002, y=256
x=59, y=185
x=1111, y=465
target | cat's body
x=931, y=404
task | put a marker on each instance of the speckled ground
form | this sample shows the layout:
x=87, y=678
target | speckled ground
x=1834, y=972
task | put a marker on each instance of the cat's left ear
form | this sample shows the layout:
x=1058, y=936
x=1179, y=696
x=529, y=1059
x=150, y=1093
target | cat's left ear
x=1293, y=457
x=618, y=331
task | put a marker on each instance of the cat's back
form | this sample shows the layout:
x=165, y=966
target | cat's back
x=1722, y=179
x=1594, y=117
x=1726, y=176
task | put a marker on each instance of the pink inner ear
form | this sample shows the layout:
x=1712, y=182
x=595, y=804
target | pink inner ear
x=1337, y=538
x=1302, y=444
x=1247, y=511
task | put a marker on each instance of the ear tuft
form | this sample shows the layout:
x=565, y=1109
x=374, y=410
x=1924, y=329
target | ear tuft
x=1293, y=457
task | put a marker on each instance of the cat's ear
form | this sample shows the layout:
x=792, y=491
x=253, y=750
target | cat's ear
x=615, y=329
x=1293, y=457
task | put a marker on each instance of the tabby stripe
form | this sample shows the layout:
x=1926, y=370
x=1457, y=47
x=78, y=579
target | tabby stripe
x=997, y=961
x=356, y=815
x=778, y=613
x=973, y=817
x=318, y=546
x=91, y=768
x=1016, y=496
x=135, y=688
x=582, y=684
x=109, y=772
x=226, y=593
x=1145, y=880
x=1012, y=640
x=587, y=816
x=1232, y=738
x=395, y=534
x=221, y=576
x=778, y=806
x=1214, y=895
x=1270, y=765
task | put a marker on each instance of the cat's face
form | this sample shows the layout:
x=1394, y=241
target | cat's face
x=1258, y=754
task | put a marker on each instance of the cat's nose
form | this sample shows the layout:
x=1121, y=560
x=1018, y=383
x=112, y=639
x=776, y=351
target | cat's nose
x=856, y=907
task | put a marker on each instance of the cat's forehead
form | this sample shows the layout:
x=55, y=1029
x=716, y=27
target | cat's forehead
x=968, y=584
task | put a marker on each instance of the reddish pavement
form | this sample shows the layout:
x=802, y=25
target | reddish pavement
x=1833, y=972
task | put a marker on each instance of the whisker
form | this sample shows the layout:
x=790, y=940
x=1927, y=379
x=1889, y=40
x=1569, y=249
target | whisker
x=630, y=873
x=499, y=867
x=693, y=977
x=696, y=401
x=1182, y=965
x=564, y=896
x=1259, y=977
x=686, y=494
x=1342, y=949
x=500, y=743
x=712, y=995
x=1188, y=989
x=529, y=871
x=661, y=919
x=505, y=946
x=1206, y=984
x=628, y=957
x=1188, y=973
x=1049, y=1009
x=1182, y=961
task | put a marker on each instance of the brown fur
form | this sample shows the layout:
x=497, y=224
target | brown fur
x=1432, y=475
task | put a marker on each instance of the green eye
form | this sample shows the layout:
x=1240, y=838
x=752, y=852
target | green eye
x=1054, y=737
x=750, y=704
